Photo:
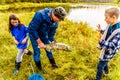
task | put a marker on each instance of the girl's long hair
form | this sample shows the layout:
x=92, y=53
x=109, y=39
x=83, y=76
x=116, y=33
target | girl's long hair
x=14, y=17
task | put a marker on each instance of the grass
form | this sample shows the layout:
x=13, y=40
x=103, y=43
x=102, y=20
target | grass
x=26, y=5
x=80, y=64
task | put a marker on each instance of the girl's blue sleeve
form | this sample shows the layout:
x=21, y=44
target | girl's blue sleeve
x=12, y=33
x=26, y=30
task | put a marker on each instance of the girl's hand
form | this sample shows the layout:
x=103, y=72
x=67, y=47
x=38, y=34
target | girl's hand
x=16, y=42
x=24, y=41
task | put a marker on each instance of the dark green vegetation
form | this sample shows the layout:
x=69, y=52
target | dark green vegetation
x=60, y=1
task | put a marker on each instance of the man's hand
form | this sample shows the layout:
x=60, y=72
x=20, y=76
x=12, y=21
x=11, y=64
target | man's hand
x=53, y=42
x=40, y=43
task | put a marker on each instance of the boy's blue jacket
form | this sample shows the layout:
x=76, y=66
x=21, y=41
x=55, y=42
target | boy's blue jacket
x=110, y=45
x=42, y=26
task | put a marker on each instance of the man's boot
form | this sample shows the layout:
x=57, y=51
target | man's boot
x=17, y=67
x=52, y=61
x=38, y=64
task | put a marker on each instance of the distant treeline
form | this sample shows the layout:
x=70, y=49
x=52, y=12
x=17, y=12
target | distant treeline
x=47, y=1
x=37, y=1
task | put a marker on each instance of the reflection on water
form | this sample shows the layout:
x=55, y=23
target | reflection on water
x=92, y=14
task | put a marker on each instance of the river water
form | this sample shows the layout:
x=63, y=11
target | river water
x=92, y=14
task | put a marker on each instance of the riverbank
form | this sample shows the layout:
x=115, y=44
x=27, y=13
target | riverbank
x=27, y=5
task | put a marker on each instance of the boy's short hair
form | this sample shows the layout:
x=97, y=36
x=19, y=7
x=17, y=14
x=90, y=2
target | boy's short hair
x=114, y=11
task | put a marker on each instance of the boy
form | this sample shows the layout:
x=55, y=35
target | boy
x=110, y=42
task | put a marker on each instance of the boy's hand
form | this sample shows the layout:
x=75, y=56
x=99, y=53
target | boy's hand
x=99, y=27
x=100, y=35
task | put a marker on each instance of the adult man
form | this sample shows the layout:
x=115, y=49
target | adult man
x=42, y=29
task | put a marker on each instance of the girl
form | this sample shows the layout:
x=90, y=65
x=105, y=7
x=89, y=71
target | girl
x=19, y=33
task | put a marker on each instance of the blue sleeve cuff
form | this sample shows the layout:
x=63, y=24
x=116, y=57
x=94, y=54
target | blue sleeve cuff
x=102, y=31
x=102, y=42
